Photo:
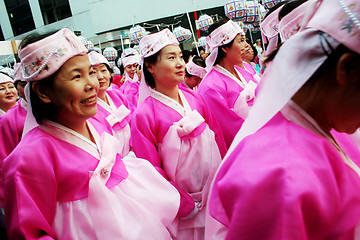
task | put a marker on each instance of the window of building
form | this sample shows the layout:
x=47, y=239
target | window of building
x=54, y=10
x=20, y=16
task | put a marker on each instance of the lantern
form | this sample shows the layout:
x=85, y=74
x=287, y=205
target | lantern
x=116, y=71
x=202, y=42
x=182, y=34
x=204, y=22
x=83, y=40
x=268, y=4
x=98, y=50
x=246, y=11
x=127, y=52
x=112, y=64
x=110, y=53
x=89, y=45
x=136, y=34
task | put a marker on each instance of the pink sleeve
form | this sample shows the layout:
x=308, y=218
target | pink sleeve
x=31, y=189
x=227, y=119
x=145, y=146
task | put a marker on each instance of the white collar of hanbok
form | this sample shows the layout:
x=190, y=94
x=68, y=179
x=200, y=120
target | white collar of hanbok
x=182, y=110
x=2, y=112
x=68, y=135
x=108, y=107
x=242, y=82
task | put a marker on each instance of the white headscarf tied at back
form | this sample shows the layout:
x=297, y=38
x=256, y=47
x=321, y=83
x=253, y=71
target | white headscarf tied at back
x=149, y=45
x=130, y=60
x=327, y=24
x=43, y=58
x=219, y=37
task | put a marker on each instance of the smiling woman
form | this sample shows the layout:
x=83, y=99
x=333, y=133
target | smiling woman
x=175, y=131
x=8, y=93
x=85, y=189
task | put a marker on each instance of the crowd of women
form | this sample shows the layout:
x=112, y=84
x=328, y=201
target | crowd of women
x=211, y=148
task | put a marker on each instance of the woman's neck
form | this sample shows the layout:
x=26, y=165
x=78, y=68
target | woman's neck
x=80, y=127
x=172, y=93
x=103, y=97
x=229, y=66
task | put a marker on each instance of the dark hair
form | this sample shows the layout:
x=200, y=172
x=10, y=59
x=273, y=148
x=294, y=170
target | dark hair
x=111, y=72
x=253, y=48
x=221, y=54
x=149, y=79
x=186, y=55
x=198, y=61
x=194, y=51
x=40, y=109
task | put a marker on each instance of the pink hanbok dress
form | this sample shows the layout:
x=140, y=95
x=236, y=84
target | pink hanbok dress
x=116, y=116
x=180, y=142
x=60, y=185
x=289, y=180
x=228, y=98
x=11, y=130
x=132, y=92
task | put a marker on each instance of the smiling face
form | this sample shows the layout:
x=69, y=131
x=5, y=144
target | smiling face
x=74, y=92
x=104, y=76
x=169, y=69
x=131, y=70
x=8, y=96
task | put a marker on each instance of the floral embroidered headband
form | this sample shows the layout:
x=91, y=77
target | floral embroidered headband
x=194, y=69
x=97, y=58
x=44, y=57
x=153, y=43
x=345, y=25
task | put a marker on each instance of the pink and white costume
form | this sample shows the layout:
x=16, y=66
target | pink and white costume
x=180, y=143
x=228, y=98
x=116, y=117
x=131, y=91
x=286, y=182
x=83, y=190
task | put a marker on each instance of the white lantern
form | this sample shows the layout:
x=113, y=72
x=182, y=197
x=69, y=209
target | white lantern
x=204, y=22
x=112, y=64
x=136, y=34
x=110, y=53
x=89, y=45
x=235, y=10
x=116, y=71
x=268, y=4
x=182, y=34
x=83, y=40
x=202, y=42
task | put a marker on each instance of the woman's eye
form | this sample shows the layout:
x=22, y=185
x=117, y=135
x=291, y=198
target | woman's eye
x=76, y=76
x=171, y=57
x=92, y=72
x=2, y=89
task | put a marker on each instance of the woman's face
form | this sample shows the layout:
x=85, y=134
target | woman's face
x=20, y=87
x=131, y=70
x=192, y=81
x=8, y=95
x=237, y=50
x=169, y=69
x=103, y=75
x=248, y=56
x=74, y=93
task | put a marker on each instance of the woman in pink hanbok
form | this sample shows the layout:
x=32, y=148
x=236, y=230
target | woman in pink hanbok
x=114, y=110
x=228, y=88
x=175, y=131
x=194, y=73
x=287, y=176
x=8, y=93
x=66, y=179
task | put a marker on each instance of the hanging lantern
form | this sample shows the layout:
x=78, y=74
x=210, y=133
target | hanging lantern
x=136, y=34
x=202, y=42
x=116, y=71
x=246, y=11
x=127, y=52
x=235, y=10
x=110, y=53
x=182, y=34
x=112, y=64
x=268, y=4
x=89, y=45
x=83, y=40
x=98, y=50
x=204, y=22
x=136, y=49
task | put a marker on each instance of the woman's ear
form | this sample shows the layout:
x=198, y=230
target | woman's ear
x=42, y=92
x=347, y=68
x=149, y=67
x=224, y=49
